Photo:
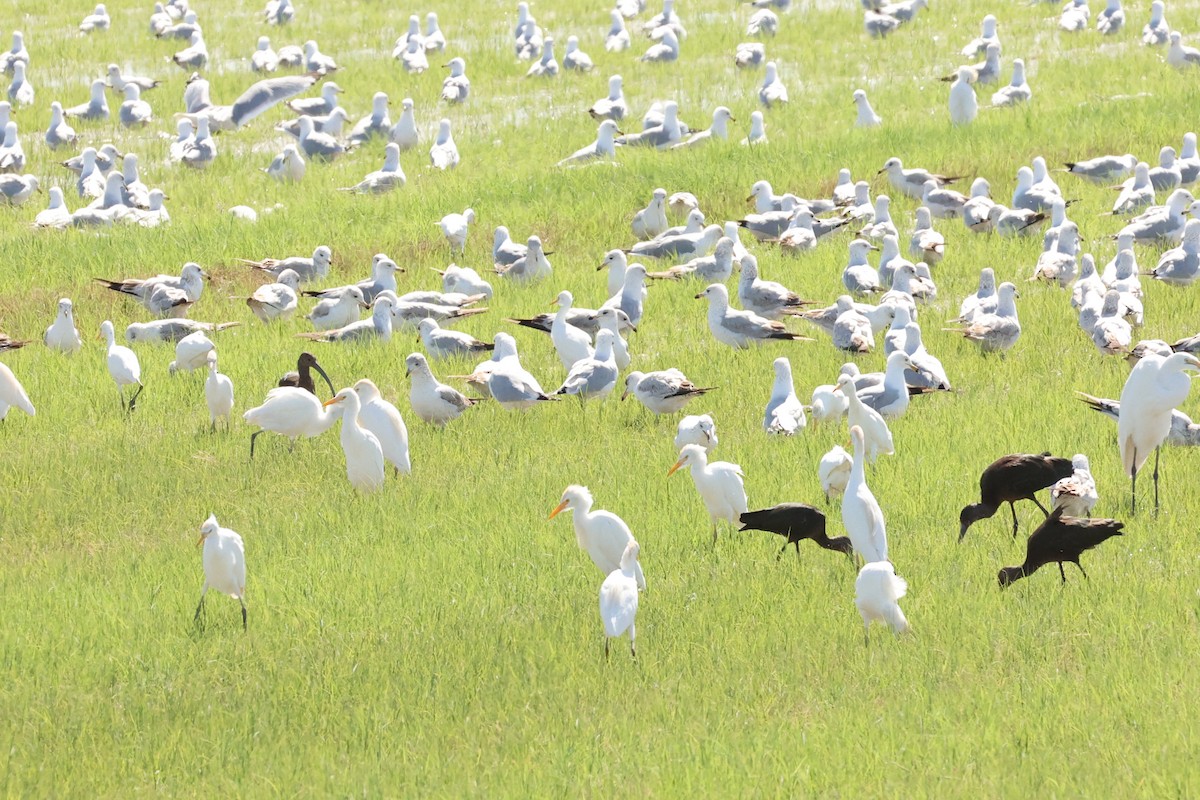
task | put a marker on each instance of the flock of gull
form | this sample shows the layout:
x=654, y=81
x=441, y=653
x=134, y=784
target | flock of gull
x=888, y=279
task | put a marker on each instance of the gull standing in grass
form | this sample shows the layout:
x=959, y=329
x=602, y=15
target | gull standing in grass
x=364, y=453
x=134, y=111
x=377, y=326
x=163, y=293
x=602, y=534
x=877, y=591
x=603, y=147
x=666, y=49
x=263, y=59
x=571, y=343
x=96, y=108
x=766, y=298
x=59, y=133
x=377, y=123
x=383, y=420
x=1180, y=266
x=867, y=118
x=1017, y=91
x=617, y=38
x=308, y=268
x=123, y=366
x=861, y=513
x=719, y=484
x=1111, y=19
x=575, y=58
x=785, y=412
x=595, y=376
x=740, y=329
x=749, y=55
x=434, y=402
x=218, y=392
x=619, y=599
x=530, y=267
x=964, y=106
x=1154, y=388
x=12, y=394
x=997, y=331
x=547, y=65
x=1156, y=31
x=62, y=335
x=404, y=133
x=663, y=392
x=224, y=562
x=758, y=131
x=987, y=35
x=444, y=152
x=1179, y=55
x=772, y=92
x=20, y=91
x=651, y=221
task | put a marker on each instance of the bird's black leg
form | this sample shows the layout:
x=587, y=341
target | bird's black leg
x=199, y=608
x=243, y=602
x=779, y=555
x=133, y=400
x=797, y=543
x=253, y=436
x=606, y=641
x=1039, y=505
x=1085, y=575
x=1133, y=493
x=1012, y=507
x=1157, y=450
x=1060, y=572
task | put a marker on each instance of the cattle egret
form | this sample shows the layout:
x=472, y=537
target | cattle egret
x=877, y=591
x=123, y=366
x=383, y=419
x=12, y=393
x=860, y=511
x=191, y=353
x=218, y=392
x=719, y=484
x=224, y=564
x=364, y=453
x=602, y=534
x=619, y=599
x=291, y=412
x=834, y=472
x=875, y=430
x=1154, y=388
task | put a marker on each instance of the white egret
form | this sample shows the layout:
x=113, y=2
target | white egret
x=719, y=484
x=861, y=513
x=619, y=599
x=291, y=412
x=12, y=393
x=1154, y=388
x=877, y=591
x=602, y=534
x=123, y=366
x=875, y=429
x=218, y=392
x=383, y=419
x=224, y=564
x=834, y=472
x=364, y=453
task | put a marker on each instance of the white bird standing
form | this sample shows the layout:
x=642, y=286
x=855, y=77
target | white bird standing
x=571, y=343
x=785, y=412
x=602, y=534
x=1154, y=388
x=364, y=453
x=877, y=591
x=867, y=118
x=224, y=564
x=12, y=394
x=62, y=335
x=383, y=419
x=434, y=402
x=875, y=430
x=619, y=599
x=861, y=513
x=719, y=484
x=123, y=366
x=218, y=393
x=833, y=472
x=290, y=412
x=444, y=152
x=964, y=106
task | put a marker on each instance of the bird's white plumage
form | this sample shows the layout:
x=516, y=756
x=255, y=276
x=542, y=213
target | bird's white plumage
x=719, y=484
x=601, y=534
x=861, y=513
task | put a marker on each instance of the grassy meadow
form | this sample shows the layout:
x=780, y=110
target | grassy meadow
x=441, y=638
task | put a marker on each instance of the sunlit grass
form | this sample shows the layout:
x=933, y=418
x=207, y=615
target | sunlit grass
x=441, y=638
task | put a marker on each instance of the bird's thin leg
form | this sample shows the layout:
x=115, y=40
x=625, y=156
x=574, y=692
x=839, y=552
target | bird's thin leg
x=1133, y=492
x=866, y=634
x=253, y=436
x=797, y=543
x=200, y=606
x=1157, y=450
x=714, y=534
x=606, y=641
x=213, y=428
x=133, y=400
x=632, y=641
x=121, y=397
x=1085, y=575
x=779, y=555
x=1039, y=505
x=1060, y=572
x=1012, y=507
x=243, y=602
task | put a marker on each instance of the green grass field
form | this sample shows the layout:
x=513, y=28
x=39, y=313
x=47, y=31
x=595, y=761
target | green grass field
x=441, y=638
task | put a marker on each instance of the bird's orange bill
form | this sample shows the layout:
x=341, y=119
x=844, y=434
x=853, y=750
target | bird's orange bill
x=330, y=402
x=678, y=464
x=557, y=510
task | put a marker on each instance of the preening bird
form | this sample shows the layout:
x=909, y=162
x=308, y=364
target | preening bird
x=224, y=564
x=1060, y=538
x=619, y=599
x=1009, y=479
x=877, y=592
x=602, y=534
x=794, y=522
